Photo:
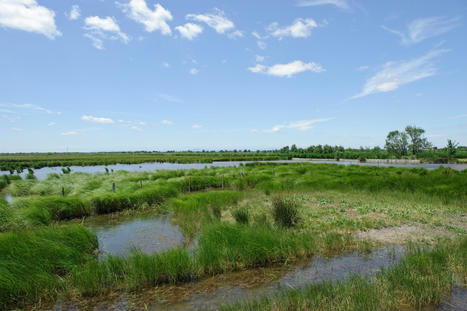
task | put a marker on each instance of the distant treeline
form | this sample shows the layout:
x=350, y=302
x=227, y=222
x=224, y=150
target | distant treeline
x=18, y=162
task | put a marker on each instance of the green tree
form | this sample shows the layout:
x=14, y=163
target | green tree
x=417, y=142
x=451, y=148
x=397, y=143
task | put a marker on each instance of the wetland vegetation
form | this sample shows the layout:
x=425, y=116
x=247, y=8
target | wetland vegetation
x=236, y=219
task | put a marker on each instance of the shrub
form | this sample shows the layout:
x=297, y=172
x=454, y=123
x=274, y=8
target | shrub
x=285, y=211
x=241, y=216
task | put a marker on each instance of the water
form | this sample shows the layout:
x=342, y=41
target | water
x=150, y=167
x=9, y=198
x=252, y=284
x=118, y=235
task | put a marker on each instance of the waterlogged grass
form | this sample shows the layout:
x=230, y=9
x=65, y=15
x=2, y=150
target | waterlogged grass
x=424, y=277
x=34, y=262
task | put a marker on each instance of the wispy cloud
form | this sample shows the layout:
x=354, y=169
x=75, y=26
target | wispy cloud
x=194, y=71
x=51, y=124
x=217, y=21
x=69, y=133
x=28, y=15
x=424, y=28
x=300, y=28
x=152, y=20
x=196, y=126
x=189, y=30
x=341, y=4
x=167, y=122
x=395, y=74
x=97, y=119
x=302, y=125
x=170, y=98
x=287, y=70
x=100, y=28
x=30, y=107
x=75, y=12
x=17, y=129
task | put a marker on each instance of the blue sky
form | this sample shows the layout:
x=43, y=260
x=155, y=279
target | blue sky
x=158, y=75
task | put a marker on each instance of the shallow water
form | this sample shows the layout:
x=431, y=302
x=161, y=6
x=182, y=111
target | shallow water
x=9, y=198
x=229, y=288
x=118, y=235
x=150, y=167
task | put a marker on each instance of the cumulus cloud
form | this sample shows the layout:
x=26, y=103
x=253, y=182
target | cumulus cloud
x=300, y=28
x=341, y=4
x=97, y=119
x=424, y=28
x=152, y=20
x=189, y=30
x=302, y=125
x=99, y=29
x=75, y=12
x=29, y=16
x=287, y=70
x=395, y=74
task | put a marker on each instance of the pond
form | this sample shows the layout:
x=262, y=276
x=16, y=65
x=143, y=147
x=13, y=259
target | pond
x=150, y=167
x=118, y=235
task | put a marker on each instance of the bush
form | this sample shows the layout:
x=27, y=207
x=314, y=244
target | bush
x=241, y=216
x=285, y=211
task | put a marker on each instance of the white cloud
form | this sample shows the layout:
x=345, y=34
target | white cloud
x=103, y=28
x=362, y=68
x=51, y=123
x=218, y=22
x=132, y=122
x=262, y=45
x=235, y=34
x=165, y=65
x=167, y=122
x=302, y=125
x=287, y=70
x=189, y=30
x=257, y=68
x=196, y=126
x=97, y=119
x=301, y=28
x=395, y=74
x=256, y=35
x=424, y=28
x=17, y=129
x=259, y=58
x=341, y=4
x=152, y=19
x=75, y=12
x=69, y=133
x=29, y=16
x=194, y=71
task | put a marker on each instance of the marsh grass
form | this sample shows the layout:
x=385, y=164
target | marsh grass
x=422, y=278
x=286, y=210
x=34, y=262
x=241, y=216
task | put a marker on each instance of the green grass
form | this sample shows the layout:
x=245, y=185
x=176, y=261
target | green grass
x=424, y=277
x=34, y=262
x=285, y=211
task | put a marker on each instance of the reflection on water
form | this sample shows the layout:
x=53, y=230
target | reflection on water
x=9, y=198
x=228, y=288
x=119, y=235
x=150, y=167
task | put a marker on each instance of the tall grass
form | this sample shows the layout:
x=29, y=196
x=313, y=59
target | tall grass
x=34, y=262
x=285, y=211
